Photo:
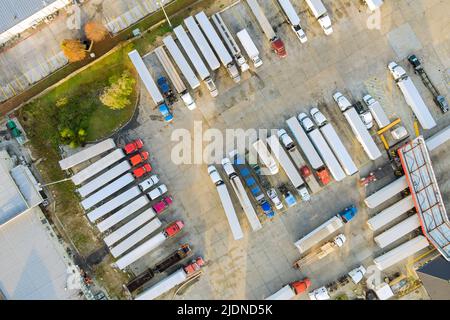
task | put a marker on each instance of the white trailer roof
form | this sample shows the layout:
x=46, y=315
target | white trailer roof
x=146, y=77
x=316, y=7
x=304, y=143
x=87, y=153
x=124, y=213
x=230, y=213
x=226, y=34
x=104, y=178
x=246, y=204
x=181, y=62
x=285, y=293
x=202, y=43
x=290, y=12
x=213, y=38
x=129, y=227
x=339, y=149
x=262, y=19
x=379, y=115
x=396, y=232
x=164, y=285
x=391, y=213
x=114, y=203
x=327, y=155
x=135, y=238
x=362, y=135
x=320, y=233
x=192, y=53
x=107, y=191
x=438, y=139
x=98, y=166
x=168, y=66
x=140, y=251
x=387, y=192
x=401, y=252
x=374, y=4
x=247, y=43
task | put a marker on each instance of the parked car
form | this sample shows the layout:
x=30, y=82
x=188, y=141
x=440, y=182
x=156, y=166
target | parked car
x=162, y=205
x=165, y=112
x=149, y=182
x=142, y=170
x=273, y=196
x=306, y=122
x=133, y=146
x=157, y=192
x=139, y=158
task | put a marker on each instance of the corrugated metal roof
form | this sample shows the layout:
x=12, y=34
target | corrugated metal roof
x=14, y=11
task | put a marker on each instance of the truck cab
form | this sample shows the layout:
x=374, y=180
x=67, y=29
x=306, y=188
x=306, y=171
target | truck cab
x=133, y=146
x=173, y=228
x=139, y=158
x=267, y=209
x=397, y=71
x=342, y=101
x=278, y=46
x=286, y=140
x=162, y=205
x=348, y=213
x=301, y=35
x=306, y=122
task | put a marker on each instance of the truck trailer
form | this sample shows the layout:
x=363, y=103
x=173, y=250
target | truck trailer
x=374, y=4
x=438, y=139
x=386, y=193
x=391, y=213
x=377, y=111
x=401, y=252
x=218, y=46
x=250, y=47
x=276, y=43
x=412, y=96
x=230, y=42
x=146, y=77
x=396, y=232
x=196, y=60
x=322, y=252
x=179, y=85
x=291, y=290
x=87, y=153
x=265, y=156
x=320, y=13
x=288, y=167
x=326, y=229
x=293, y=19
x=226, y=203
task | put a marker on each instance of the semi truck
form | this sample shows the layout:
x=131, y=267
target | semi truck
x=230, y=42
x=293, y=18
x=288, y=167
x=134, y=238
x=326, y=229
x=87, y=153
x=239, y=189
x=320, y=13
x=250, y=47
x=227, y=204
x=114, y=203
x=308, y=150
x=175, y=279
x=377, y=111
x=175, y=78
x=276, y=43
x=374, y=4
x=98, y=166
x=396, y=232
x=412, y=96
x=219, y=48
x=149, y=245
x=162, y=266
x=146, y=77
x=391, y=213
x=358, y=127
x=438, y=139
x=265, y=156
x=386, y=193
x=322, y=252
x=196, y=60
x=401, y=252
x=107, y=191
x=103, y=179
x=309, y=178
x=202, y=43
x=291, y=290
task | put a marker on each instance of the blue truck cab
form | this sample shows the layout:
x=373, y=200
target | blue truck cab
x=165, y=112
x=267, y=209
x=348, y=213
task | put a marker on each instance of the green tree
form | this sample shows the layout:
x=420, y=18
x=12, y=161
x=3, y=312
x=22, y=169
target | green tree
x=117, y=95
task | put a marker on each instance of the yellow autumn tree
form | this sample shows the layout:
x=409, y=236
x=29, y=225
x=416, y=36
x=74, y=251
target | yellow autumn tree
x=73, y=49
x=95, y=31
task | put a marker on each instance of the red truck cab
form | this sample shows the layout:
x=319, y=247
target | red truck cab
x=324, y=176
x=141, y=157
x=301, y=286
x=278, y=47
x=139, y=172
x=194, y=266
x=173, y=228
x=133, y=146
x=162, y=205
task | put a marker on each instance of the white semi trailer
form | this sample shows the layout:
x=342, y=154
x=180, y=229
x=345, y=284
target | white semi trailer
x=179, y=85
x=396, y=232
x=227, y=204
x=146, y=77
x=86, y=154
x=377, y=111
x=107, y=191
x=288, y=167
x=319, y=234
x=230, y=42
x=104, y=178
x=401, y=252
x=98, y=166
x=249, y=47
x=438, y=139
x=386, y=193
x=293, y=18
x=374, y=4
x=244, y=200
x=391, y=213
x=196, y=60
x=412, y=96
x=202, y=43
x=320, y=13
x=217, y=44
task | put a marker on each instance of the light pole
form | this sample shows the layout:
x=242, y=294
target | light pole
x=162, y=7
